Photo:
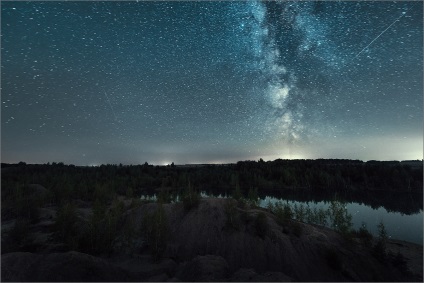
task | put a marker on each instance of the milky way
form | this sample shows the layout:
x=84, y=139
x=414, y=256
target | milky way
x=209, y=82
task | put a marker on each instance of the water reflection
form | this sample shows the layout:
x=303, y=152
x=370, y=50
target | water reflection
x=399, y=225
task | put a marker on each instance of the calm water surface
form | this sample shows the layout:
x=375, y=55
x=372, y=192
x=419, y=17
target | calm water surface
x=398, y=225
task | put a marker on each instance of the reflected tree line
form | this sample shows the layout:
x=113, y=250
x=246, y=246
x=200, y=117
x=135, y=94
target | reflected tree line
x=397, y=186
x=28, y=187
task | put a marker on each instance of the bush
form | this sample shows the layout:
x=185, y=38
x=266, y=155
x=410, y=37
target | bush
x=321, y=217
x=311, y=215
x=237, y=195
x=231, y=213
x=66, y=225
x=135, y=202
x=270, y=207
x=341, y=219
x=102, y=227
x=283, y=213
x=252, y=197
x=26, y=204
x=129, y=234
x=379, y=249
x=261, y=224
x=191, y=198
x=165, y=196
x=299, y=212
x=156, y=230
x=364, y=235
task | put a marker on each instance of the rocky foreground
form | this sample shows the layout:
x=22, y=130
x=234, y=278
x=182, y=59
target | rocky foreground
x=202, y=245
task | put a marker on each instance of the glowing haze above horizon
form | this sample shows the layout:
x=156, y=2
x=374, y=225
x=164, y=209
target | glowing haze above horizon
x=89, y=83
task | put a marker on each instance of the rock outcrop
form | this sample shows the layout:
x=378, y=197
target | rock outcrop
x=204, y=246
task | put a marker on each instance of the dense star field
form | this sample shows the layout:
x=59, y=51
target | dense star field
x=210, y=82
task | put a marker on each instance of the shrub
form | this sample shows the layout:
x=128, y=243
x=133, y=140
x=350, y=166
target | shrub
x=66, y=225
x=165, y=196
x=129, y=192
x=129, y=233
x=341, y=219
x=270, y=207
x=321, y=217
x=379, y=249
x=242, y=203
x=26, y=204
x=261, y=224
x=252, y=197
x=135, y=202
x=311, y=215
x=364, y=235
x=231, y=213
x=300, y=212
x=283, y=213
x=156, y=230
x=191, y=198
x=237, y=195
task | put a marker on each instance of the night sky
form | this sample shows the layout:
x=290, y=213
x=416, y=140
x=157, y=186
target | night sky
x=91, y=83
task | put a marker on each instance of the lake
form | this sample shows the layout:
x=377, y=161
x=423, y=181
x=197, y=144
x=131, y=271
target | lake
x=400, y=226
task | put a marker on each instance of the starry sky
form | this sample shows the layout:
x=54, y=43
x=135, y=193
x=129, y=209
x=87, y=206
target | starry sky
x=90, y=83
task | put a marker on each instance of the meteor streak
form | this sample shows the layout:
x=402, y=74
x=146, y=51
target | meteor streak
x=403, y=14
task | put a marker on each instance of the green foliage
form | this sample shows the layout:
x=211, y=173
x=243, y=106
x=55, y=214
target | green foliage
x=66, y=225
x=379, y=249
x=191, y=198
x=129, y=192
x=382, y=233
x=283, y=212
x=270, y=206
x=232, y=215
x=261, y=224
x=300, y=212
x=321, y=217
x=103, y=192
x=252, y=197
x=341, y=220
x=102, y=227
x=135, y=202
x=364, y=235
x=311, y=215
x=129, y=233
x=165, y=196
x=26, y=204
x=156, y=230
x=68, y=182
x=112, y=219
x=237, y=194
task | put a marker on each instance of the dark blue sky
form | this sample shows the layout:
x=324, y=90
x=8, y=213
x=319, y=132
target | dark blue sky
x=206, y=82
